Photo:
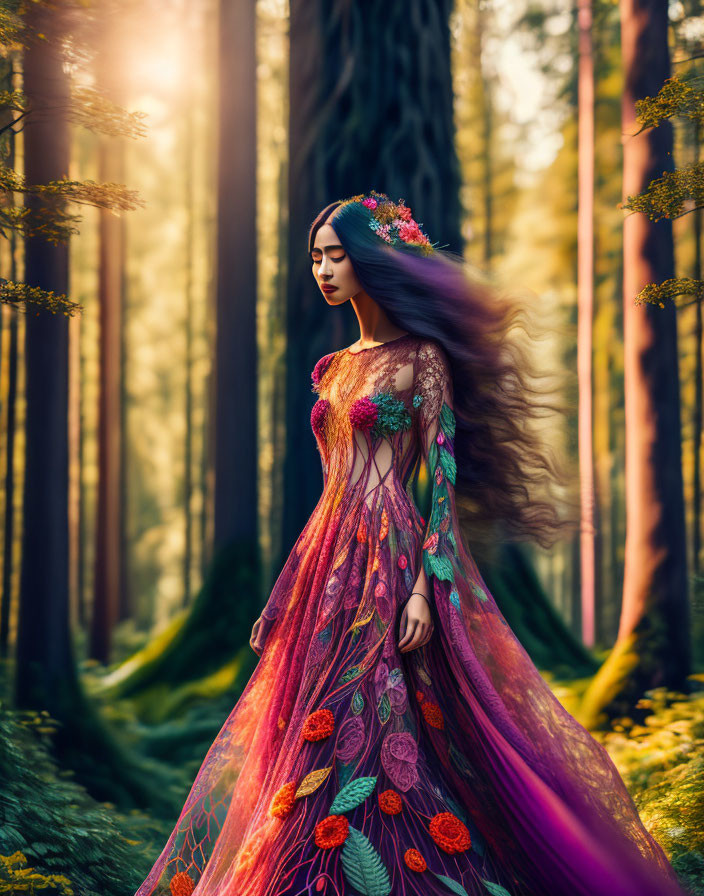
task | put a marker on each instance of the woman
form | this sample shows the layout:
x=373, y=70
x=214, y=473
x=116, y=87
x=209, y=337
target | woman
x=395, y=737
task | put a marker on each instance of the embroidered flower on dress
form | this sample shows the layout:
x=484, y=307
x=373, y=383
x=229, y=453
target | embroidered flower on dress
x=450, y=833
x=319, y=370
x=402, y=561
x=317, y=415
x=319, y=725
x=363, y=413
x=414, y=860
x=432, y=714
x=390, y=802
x=331, y=831
x=284, y=800
x=399, y=755
x=181, y=884
x=381, y=414
x=350, y=739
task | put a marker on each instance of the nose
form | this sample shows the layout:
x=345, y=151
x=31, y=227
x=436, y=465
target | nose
x=325, y=269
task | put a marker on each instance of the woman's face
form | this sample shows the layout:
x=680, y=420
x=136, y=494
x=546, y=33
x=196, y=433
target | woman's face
x=333, y=268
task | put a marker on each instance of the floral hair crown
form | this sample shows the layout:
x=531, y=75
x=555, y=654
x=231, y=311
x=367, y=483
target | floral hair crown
x=393, y=221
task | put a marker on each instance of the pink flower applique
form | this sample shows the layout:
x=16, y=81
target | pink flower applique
x=370, y=202
x=320, y=368
x=399, y=756
x=317, y=415
x=363, y=413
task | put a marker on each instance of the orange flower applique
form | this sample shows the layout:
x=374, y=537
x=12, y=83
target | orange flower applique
x=181, y=884
x=362, y=531
x=432, y=714
x=319, y=725
x=284, y=800
x=450, y=833
x=390, y=802
x=414, y=860
x=331, y=831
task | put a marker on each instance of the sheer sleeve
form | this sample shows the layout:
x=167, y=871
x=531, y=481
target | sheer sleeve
x=434, y=486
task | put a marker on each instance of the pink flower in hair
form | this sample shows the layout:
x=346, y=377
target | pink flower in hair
x=370, y=203
x=410, y=232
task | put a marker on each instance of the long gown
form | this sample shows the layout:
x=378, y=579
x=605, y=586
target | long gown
x=348, y=767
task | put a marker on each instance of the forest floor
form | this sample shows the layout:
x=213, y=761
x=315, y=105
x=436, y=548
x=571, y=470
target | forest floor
x=69, y=844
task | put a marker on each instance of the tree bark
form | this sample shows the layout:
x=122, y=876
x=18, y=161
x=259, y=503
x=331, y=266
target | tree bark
x=107, y=587
x=652, y=647
x=236, y=330
x=585, y=302
x=45, y=672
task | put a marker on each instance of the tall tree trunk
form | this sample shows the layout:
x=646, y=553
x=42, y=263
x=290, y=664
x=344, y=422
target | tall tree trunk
x=236, y=333
x=652, y=648
x=189, y=324
x=45, y=672
x=697, y=423
x=371, y=107
x=585, y=303
x=10, y=420
x=107, y=587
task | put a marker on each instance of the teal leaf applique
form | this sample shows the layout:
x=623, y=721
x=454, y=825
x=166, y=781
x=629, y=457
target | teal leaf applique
x=350, y=674
x=357, y=703
x=452, y=885
x=363, y=867
x=383, y=709
x=479, y=592
x=495, y=889
x=352, y=795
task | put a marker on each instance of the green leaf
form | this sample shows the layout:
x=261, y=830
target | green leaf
x=452, y=884
x=440, y=567
x=447, y=420
x=383, y=709
x=449, y=465
x=495, y=889
x=363, y=866
x=357, y=703
x=352, y=795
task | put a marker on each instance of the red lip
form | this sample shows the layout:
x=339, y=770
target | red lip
x=328, y=288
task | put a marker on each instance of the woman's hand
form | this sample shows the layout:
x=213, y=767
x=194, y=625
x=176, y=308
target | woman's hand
x=255, y=642
x=416, y=624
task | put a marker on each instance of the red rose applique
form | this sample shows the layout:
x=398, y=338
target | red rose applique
x=432, y=714
x=284, y=800
x=331, y=831
x=181, y=884
x=450, y=833
x=414, y=860
x=390, y=802
x=319, y=725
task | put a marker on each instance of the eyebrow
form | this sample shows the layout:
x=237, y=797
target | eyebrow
x=336, y=246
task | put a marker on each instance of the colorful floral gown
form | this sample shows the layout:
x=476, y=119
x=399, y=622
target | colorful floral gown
x=348, y=767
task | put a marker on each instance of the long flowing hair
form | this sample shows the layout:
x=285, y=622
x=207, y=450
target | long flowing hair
x=506, y=476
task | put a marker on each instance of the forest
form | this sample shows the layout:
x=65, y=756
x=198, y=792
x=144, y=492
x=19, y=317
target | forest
x=161, y=164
